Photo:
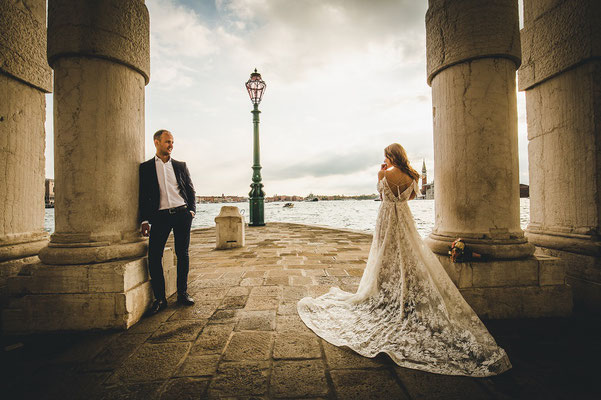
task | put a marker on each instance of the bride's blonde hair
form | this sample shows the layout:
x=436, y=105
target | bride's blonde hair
x=398, y=157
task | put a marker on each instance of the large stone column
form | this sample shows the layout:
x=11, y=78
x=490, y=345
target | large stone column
x=473, y=51
x=100, y=56
x=561, y=75
x=94, y=272
x=25, y=77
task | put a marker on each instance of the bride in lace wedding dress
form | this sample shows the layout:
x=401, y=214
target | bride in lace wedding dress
x=406, y=305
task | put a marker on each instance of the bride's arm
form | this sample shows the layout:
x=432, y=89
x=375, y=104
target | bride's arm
x=381, y=174
x=413, y=193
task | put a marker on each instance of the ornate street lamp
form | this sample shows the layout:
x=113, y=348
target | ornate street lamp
x=255, y=87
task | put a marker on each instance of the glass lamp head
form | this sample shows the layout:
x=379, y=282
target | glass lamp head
x=255, y=87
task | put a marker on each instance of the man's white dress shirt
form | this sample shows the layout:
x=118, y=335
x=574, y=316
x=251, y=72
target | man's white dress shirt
x=170, y=196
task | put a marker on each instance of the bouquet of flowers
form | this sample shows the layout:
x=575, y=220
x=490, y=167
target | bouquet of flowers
x=461, y=253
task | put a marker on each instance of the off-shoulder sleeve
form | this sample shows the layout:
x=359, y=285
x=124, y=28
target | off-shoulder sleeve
x=416, y=188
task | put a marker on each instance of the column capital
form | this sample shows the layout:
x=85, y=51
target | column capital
x=117, y=30
x=23, y=43
x=555, y=39
x=459, y=31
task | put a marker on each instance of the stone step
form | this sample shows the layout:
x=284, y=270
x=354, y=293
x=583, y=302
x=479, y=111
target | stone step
x=113, y=295
x=524, y=288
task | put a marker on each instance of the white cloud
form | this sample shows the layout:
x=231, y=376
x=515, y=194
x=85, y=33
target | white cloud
x=345, y=78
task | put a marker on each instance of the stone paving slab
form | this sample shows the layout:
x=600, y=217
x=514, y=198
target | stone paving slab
x=243, y=339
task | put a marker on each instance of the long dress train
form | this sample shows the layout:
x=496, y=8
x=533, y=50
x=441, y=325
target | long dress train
x=406, y=305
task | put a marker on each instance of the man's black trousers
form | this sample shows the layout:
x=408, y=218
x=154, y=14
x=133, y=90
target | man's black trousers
x=180, y=221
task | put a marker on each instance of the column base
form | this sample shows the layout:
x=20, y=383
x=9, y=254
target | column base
x=84, y=253
x=21, y=247
x=528, y=288
x=53, y=298
x=505, y=249
x=582, y=256
x=583, y=274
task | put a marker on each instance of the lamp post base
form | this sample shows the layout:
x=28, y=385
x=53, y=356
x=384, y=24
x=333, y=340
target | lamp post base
x=257, y=214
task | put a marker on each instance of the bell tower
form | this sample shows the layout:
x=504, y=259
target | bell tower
x=424, y=177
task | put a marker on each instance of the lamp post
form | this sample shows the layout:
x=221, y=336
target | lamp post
x=255, y=87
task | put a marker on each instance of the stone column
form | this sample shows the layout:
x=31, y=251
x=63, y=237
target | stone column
x=473, y=51
x=25, y=77
x=100, y=55
x=561, y=75
x=94, y=271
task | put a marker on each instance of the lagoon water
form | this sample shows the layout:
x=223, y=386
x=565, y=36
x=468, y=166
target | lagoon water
x=348, y=214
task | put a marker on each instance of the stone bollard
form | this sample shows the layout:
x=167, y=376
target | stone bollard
x=230, y=228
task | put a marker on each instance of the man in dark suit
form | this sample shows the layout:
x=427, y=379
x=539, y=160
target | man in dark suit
x=167, y=201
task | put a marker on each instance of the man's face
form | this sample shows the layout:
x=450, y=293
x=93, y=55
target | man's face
x=165, y=145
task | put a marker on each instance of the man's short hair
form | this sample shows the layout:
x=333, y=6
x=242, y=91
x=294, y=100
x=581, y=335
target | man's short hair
x=157, y=134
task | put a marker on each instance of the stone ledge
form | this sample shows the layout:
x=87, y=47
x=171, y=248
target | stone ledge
x=528, y=288
x=115, y=295
x=538, y=270
x=520, y=302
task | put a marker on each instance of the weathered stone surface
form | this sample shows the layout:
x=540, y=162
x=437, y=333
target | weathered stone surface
x=72, y=297
x=557, y=36
x=471, y=101
x=345, y=358
x=150, y=362
x=185, y=388
x=270, y=291
x=235, y=378
x=374, y=384
x=117, y=352
x=583, y=275
x=298, y=378
x=541, y=368
x=295, y=345
x=199, y=366
x=146, y=390
x=212, y=339
x=261, y=303
x=199, y=310
x=522, y=302
x=459, y=31
x=249, y=345
x=291, y=323
x=423, y=385
x=563, y=102
x=229, y=226
x=178, y=331
x=238, y=291
x=207, y=294
x=23, y=45
x=117, y=30
x=96, y=225
x=262, y=320
x=223, y=317
x=22, y=146
x=233, y=302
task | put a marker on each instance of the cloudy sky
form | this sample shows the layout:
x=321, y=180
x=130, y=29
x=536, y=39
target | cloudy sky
x=345, y=78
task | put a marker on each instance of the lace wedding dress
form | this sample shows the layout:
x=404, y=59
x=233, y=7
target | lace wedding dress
x=406, y=305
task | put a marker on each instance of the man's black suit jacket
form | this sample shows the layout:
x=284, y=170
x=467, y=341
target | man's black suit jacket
x=150, y=195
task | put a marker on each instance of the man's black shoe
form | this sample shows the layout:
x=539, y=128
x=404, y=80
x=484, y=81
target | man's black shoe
x=185, y=299
x=158, y=305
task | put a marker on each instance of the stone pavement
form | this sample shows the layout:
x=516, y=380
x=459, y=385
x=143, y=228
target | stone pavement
x=244, y=339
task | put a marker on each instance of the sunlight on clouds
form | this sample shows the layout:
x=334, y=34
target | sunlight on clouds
x=345, y=78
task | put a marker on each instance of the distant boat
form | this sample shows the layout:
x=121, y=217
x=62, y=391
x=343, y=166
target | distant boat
x=377, y=199
x=288, y=205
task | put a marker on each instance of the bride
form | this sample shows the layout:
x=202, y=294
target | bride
x=406, y=305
